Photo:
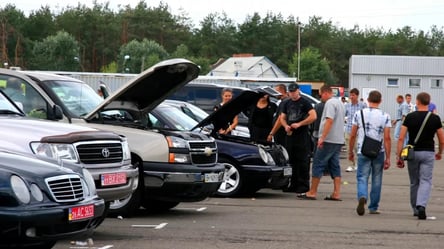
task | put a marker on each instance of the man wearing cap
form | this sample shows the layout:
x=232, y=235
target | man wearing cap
x=297, y=113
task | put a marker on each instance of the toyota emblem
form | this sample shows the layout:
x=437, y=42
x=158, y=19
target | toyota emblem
x=105, y=152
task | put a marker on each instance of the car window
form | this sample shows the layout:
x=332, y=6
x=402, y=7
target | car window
x=25, y=96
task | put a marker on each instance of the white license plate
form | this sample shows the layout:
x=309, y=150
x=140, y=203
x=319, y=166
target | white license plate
x=113, y=179
x=211, y=177
x=288, y=171
x=81, y=212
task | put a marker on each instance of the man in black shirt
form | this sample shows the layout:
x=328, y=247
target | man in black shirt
x=421, y=167
x=297, y=114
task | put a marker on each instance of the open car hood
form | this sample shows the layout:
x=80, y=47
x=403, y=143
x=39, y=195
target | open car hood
x=228, y=111
x=150, y=88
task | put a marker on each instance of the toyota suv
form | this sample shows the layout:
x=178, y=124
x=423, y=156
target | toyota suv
x=173, y=167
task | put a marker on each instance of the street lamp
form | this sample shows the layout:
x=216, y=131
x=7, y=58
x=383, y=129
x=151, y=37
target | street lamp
x=125, y=58
x=299, y=48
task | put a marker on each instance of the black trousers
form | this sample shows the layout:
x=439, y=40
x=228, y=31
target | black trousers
x=298, y=146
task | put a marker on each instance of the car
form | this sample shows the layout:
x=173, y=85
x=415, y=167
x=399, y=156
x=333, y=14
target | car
x=249, y=166
x=105, y=154
x=173, y=167
x=42, y=202
x=198, y=115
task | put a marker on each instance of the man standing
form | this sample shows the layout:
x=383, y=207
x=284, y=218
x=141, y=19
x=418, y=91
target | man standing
x=329, y=145
x=350, y=109
x=377, y=126
x=401, y=112
x=421, y=167
x=297, y=114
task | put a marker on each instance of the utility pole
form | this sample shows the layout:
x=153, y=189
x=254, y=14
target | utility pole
x=299, y=48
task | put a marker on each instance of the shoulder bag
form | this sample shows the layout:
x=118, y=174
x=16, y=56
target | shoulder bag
x=407, y=153
x=370, y=147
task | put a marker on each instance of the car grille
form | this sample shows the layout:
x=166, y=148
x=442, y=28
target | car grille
x=277, y=154
x=203, y=153
x=99, y=153
x=66, y=188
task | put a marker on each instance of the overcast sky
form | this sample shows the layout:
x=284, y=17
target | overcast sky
x=386, y=14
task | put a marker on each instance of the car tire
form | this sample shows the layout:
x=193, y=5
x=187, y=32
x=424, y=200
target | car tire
x=157, y=206
x=233, y=180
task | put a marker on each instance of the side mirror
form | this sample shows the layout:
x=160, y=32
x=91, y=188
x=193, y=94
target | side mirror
x=56, y=113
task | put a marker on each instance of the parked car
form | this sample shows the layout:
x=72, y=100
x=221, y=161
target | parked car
x=173, y=167
x=198, y=115
x=249, y=166
x=42, y=202
x=105, y=154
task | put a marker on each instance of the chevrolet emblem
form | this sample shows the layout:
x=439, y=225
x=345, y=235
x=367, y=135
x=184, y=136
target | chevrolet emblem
x=208, y=151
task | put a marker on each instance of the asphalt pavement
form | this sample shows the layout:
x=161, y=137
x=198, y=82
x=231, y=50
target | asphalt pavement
x=273, y=219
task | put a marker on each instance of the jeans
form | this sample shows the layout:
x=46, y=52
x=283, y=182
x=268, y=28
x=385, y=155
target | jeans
x=327, y=157
x=367, y=167
x=398, y=130
x=420, y=174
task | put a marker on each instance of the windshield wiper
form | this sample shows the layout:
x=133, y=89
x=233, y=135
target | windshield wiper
x=4, y=111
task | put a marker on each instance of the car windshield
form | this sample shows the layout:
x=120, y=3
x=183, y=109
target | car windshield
x=195, y=111
x=174, y=119
x=79, y=98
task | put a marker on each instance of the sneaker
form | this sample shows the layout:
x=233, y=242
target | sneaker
x=349, y=169
x=355, y=168
x=374, y=212
x=421, y=213
x=361, y=206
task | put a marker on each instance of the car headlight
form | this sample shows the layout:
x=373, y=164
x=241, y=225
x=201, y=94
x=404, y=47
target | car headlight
x=179, y=150
x=36, y=192
x=176, y=142
x=20, y=189
x=65, y=152
x=284, y=153
x=266, y=157
x=91, y=186
x=126, y=150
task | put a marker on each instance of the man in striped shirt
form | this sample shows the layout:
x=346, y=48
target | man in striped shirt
x=350, y=109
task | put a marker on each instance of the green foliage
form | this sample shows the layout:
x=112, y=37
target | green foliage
x=313, y=67
x=110, y=68
x=140, y=55
x=58, y=52
x=148, y=34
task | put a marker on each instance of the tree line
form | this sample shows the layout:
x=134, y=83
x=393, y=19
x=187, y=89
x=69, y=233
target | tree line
x=130, y=39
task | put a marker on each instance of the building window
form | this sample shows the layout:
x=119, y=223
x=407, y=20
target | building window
x=392, y=82
x=414, y=83
x=436, y=83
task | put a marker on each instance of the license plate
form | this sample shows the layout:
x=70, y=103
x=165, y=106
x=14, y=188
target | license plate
x=81, y=212
x=211, y=177
x=288, y=171
x=113, y=179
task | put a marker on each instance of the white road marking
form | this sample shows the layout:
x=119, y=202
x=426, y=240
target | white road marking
x=160, y=226
x=196, y=209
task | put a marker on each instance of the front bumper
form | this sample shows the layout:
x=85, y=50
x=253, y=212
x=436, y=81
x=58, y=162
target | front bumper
x=46, y=222
x=181, y=182
x=115, y=191
x=274, y=177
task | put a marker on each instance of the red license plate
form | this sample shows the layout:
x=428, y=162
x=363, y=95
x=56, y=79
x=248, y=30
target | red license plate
x=81, y=212
x=113, y=179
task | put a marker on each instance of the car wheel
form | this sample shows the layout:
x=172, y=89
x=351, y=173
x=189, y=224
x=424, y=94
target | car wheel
x=157, y=206
x=232, y=182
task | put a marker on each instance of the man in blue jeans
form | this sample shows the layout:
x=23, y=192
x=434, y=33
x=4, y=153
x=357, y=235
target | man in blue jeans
x=377, y=126
x=330, y=141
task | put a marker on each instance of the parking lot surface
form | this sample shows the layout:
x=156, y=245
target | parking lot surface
x=273, y=219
